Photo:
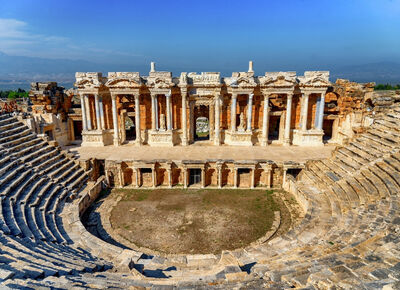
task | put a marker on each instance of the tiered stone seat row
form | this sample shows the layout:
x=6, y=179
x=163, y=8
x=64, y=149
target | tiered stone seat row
x=33, y=241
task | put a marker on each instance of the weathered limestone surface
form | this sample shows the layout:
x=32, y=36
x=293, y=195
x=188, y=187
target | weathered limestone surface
x=244, y=109
x=348, y=237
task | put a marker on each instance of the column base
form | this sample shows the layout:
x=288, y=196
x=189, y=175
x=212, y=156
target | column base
x=161, y=138
x=185, y=142
x=286, y=142
x=264, y=141
x=117, y=142
x=96, y=138
x=311, y=137
x=241, y=138
x=217, y=141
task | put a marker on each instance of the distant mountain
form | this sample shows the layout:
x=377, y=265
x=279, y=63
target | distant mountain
x=381, y=72
x=19, y=71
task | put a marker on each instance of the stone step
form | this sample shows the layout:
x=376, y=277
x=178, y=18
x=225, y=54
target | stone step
x=8, y=120
x=378, y=139
x=355, y=154
x=349, y=161
x=12, y=173
x=19, y=140
x=383, y=191
x=32, y=148
x=367, y=146
x=23, y=131
x=12, y=131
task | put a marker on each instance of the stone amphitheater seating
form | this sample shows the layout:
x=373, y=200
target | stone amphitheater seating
x=33, y=242
x=348, y=238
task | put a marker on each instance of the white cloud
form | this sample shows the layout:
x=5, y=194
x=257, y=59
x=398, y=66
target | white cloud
x=17, y=38
x=12, y=28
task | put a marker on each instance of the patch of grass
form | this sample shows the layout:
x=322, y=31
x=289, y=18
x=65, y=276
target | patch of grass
x=140, y=196
x=194, y=221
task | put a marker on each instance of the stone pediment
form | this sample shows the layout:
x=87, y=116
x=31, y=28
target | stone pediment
x=205, y=79
x=160, y=80
x=241, y=80
x=123, y=80
x=89, y=80
x=315, y=79
x=278, y=79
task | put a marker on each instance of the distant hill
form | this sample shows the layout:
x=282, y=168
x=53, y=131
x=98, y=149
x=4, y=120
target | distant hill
x=19, y=71
x=381, y=72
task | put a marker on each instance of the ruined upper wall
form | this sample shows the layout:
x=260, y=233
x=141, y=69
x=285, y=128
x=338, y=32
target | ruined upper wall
x=47, y=97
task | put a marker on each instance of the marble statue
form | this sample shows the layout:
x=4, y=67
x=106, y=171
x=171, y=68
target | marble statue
x=242, y=124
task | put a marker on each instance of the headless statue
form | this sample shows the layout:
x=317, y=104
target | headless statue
x=162, y=122
x=242, y=124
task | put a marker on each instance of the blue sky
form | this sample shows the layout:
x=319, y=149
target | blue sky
x=205, y=35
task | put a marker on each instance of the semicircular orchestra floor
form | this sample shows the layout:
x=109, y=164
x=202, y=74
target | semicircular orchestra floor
x=177, y=221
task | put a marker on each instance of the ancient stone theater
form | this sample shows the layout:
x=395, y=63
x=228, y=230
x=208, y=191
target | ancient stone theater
x=330, y=151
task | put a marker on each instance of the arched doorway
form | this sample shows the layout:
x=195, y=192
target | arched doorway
x=201, y=123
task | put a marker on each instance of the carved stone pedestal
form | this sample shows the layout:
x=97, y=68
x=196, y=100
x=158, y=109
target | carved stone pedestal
x=161, y=138
x=97, y=138
x=241, y=138
x=311, y=137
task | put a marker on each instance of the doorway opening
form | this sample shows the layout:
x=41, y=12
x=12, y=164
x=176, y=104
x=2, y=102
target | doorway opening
x=244, y=177
x=146, y=177
x=130, y=128
x=77, y=130
x=194, y=176
x=202, y=124
x=327, y=127
x=274, y=124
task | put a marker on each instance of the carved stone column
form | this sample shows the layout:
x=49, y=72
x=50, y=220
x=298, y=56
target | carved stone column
x=264, y=138
x=137, y=172
x=321, y=112
x=137, y=120
x=219, y=181
x=233, y=112
x=83, y=109
x=184, y=122
x=102, y=121
x=88, y=115
x=304, y=112
x=252, y=181
x=185, y=177
x=269, y=175
x=97, y=108
x=121, y=177
x=288, y=119
x=169, y=170
x=249, y=111
x=115, y=120
x=168, y=111
x=156, y=115
x=217, y=139
x=284, y=175
x=153, y=112
x=203, y=177
x=154, y=176
x=235, y=177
